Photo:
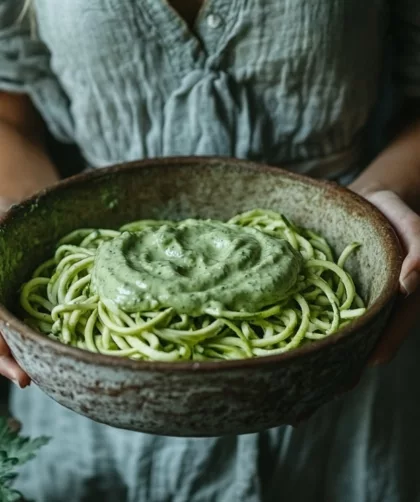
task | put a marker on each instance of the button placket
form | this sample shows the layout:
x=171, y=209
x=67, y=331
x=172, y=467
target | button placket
x=213, y=24
x=198, y=48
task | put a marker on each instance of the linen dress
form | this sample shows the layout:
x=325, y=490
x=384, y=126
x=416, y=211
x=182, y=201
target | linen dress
x=288, y=82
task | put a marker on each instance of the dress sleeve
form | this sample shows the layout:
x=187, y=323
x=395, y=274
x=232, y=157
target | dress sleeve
x=24, y=59
x=406, y=30
x=25, y=68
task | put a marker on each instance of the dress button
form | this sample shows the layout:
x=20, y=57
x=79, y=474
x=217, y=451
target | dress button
x=214, y=21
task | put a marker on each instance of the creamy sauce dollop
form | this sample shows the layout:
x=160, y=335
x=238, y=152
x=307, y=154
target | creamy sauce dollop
x=195, y=266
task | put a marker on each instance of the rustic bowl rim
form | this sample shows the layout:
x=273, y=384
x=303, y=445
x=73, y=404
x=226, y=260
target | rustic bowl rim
x=381, y=225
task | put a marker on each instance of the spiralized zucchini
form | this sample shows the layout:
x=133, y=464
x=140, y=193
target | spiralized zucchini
x=58, y=302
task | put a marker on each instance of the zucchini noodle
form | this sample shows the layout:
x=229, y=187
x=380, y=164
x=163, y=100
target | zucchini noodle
x=59, y=302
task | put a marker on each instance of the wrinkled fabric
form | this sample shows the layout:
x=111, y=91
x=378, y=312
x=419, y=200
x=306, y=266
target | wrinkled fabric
x=282, y=82
x=289, y=82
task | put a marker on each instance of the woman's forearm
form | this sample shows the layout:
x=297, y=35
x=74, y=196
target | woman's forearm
x=25, y=166
x=397, y=168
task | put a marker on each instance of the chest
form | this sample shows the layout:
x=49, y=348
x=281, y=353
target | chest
x=269, y=42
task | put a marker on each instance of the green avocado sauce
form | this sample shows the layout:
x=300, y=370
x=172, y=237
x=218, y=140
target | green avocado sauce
x=195, y=266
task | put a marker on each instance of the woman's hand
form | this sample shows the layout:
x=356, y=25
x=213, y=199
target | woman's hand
x=9, y=367
x=407, y=225
x=25, y=168
x=392, y=183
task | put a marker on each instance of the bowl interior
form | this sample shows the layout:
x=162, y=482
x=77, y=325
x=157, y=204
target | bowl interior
x=202, y=188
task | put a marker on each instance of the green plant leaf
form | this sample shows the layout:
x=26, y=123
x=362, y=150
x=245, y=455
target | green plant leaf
x=13, y=445
x=9, y=495
x=14, y=450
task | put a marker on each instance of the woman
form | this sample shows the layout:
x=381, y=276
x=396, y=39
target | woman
x=286, y=82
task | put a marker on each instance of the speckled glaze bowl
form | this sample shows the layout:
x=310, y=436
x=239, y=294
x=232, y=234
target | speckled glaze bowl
x=197, y=399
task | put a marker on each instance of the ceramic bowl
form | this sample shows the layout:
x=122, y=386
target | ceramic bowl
x=191, y=398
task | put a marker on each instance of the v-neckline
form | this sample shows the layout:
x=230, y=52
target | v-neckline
x=190, y=22
x=172, y=15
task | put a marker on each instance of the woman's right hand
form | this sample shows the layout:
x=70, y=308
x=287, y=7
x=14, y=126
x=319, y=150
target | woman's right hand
x=25, y=168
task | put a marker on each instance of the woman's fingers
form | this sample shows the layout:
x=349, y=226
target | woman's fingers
x=410, y=273
x=407, y=224
x=9, y=368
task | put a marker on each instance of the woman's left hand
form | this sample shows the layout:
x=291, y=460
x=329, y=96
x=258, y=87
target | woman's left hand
x=407, y=225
